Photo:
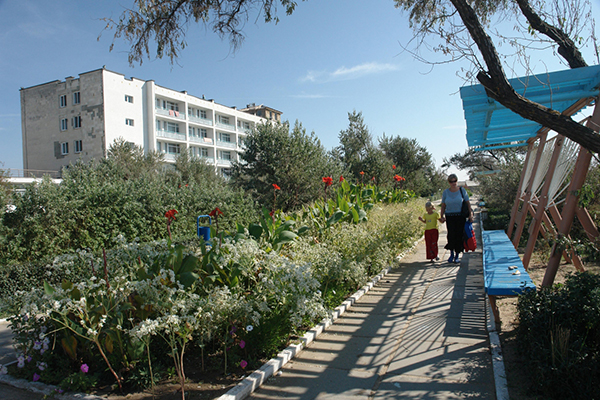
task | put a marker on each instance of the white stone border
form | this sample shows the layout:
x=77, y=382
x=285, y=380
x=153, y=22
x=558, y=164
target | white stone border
x=258, y=377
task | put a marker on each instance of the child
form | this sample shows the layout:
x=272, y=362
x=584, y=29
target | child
x=430, y=219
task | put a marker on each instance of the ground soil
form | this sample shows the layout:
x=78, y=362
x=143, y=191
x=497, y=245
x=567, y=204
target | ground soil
x=516, y=374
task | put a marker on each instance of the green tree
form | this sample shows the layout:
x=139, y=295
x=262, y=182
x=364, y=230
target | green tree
x=357, y=153
x=129, y=161
x=293, y=160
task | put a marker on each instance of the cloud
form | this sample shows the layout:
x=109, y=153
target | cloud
x=344, y=73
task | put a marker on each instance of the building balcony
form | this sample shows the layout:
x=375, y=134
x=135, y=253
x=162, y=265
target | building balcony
x=170, y=113
x=222, y=162
x=203, y=140
x=201, y=121
x=230, y=145
x=170, y=135
x=225, y=126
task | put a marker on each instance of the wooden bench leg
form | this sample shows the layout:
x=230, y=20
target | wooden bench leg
x=494, y=309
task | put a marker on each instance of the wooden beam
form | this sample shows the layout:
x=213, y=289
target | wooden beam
x=570, y=207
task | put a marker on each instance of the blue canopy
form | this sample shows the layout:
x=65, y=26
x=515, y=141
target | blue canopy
x=491, y=125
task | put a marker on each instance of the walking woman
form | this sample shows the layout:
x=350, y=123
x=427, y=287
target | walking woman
x=450, y=212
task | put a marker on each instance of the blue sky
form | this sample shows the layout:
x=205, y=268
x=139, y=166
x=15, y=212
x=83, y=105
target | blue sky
x=317, y=65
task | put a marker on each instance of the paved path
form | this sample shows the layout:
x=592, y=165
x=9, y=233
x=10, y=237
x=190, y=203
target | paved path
x=418, y=334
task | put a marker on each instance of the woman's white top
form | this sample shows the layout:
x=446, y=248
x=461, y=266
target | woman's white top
x=453, y=200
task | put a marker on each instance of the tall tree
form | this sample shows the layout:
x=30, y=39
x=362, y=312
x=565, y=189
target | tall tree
x=293, y=160
x=356, y=149
x=164, y=22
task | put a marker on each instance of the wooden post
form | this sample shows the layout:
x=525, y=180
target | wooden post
x=543, y=201
x=515, y=207
x=528, y=194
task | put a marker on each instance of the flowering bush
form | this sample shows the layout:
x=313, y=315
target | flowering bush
x=197, y=298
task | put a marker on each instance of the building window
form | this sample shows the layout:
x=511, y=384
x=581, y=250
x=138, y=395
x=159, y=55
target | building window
x=76, y=121
x=64, y=124
x=76, y=98
x=171, y=127
x=203, y=114
x=203, y=152
x=173, y=148
x=203, y=133
x=78, y=146
x=128, y=121
x=224, y=137
x=64, y=148
x=224, y=120
x=226, y=155
x=62, y=100
x=128, y=98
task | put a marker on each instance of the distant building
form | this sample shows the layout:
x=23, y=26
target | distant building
x=79, y=118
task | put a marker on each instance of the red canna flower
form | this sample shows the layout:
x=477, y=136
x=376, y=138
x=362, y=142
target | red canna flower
x=327, y=180
x=361, y=172
x=276, y=187
x=170, y=215
x=397, y=178
x=341, y=178
x=373, y=178
x=216, y=212
x=393, y=167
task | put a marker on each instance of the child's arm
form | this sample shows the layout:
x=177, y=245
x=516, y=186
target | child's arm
x=422, y=220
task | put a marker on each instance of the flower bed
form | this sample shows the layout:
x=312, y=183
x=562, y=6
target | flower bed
x=132, y=315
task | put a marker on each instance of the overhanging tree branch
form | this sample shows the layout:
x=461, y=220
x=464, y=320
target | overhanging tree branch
x=498, y=88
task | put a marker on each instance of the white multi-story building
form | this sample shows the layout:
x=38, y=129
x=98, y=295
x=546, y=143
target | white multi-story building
x=79, y=118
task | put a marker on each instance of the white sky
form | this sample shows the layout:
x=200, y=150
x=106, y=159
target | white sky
x=317, y=65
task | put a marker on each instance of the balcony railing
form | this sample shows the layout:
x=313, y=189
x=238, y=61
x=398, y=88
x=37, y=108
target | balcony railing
x=32, y=173
x=170, y=156
x=170, y=113
x=222, y=161
x=225, y=126
x=209, y=160
x=169, y=134
x=204, y=140
x=198, y=120
x=231, y=145
x=244, y=130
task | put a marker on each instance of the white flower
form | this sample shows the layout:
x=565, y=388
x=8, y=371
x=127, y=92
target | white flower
x=249, y=328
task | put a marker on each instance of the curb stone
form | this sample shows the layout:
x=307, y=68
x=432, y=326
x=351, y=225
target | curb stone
x=258, y=377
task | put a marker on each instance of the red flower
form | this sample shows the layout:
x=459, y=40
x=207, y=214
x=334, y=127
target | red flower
x=361, y=172
x=327, y=180
x=393, y=167
x=398, y=178
x=373, y=178
x=341, y=178
x=170, y=214
x=276, y=187
x=216, y=212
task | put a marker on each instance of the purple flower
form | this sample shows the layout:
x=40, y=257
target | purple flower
x=36, y=377
x=242, y=344
x=243, y=364
x=84, y=368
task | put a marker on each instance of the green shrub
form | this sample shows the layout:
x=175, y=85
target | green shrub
x=559, y=337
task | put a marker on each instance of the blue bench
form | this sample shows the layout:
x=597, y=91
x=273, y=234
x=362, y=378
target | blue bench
x=500, y=265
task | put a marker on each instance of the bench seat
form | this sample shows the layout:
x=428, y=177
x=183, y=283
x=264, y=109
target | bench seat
x=498, y=255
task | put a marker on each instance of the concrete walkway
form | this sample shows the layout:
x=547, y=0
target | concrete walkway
x=418, y=334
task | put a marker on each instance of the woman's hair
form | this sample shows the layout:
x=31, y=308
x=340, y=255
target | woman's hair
x=452, y=177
